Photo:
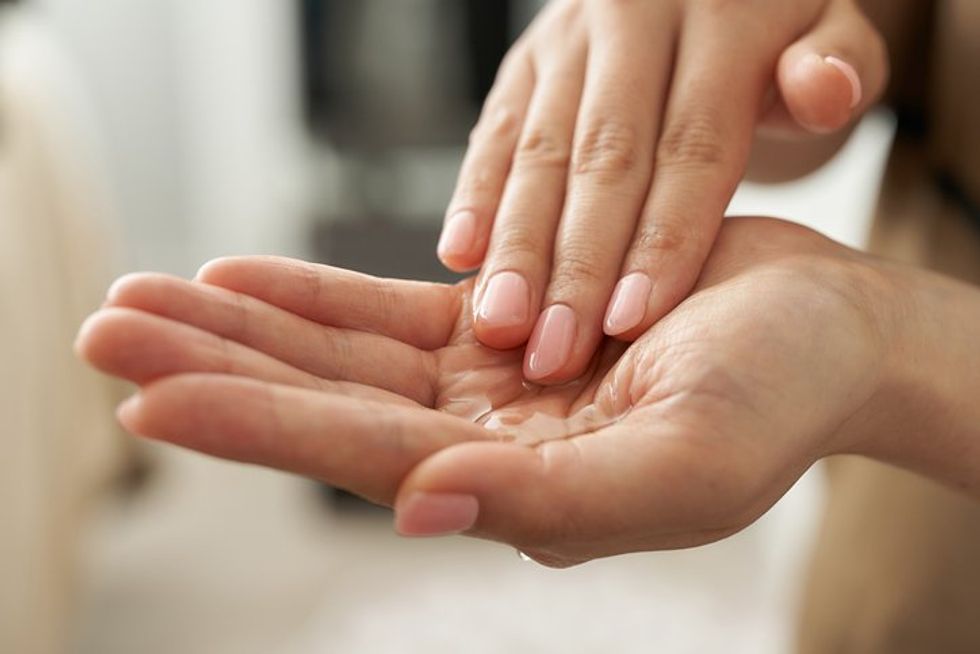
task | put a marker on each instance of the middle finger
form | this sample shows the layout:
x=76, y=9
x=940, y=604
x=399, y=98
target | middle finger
x=612, y=161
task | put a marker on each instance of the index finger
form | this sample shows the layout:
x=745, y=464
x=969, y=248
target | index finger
x=483, y=174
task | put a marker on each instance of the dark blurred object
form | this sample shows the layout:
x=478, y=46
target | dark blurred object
x=489, y=29
x=383, y=249
x=373, y=79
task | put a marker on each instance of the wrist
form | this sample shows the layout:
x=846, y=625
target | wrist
x=924, y=414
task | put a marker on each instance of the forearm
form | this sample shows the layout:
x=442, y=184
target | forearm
x=928, y=410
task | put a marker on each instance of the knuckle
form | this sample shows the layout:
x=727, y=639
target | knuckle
x=542, y=147
x=515, y=57
x=313, y=281
x=519, y=243
x=663, y=238
x=693, y=141
x=341, y=350
x=386, y=299
x=496, y=124
x=225, y=362
x=575, y=265
x=476, y=184
x=242, y=324
x=607, y=147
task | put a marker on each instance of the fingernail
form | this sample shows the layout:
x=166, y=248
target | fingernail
x=852, y=77
x=506, y=301
x=436, y=514
x=628, y=304
x=551, y=342
x=457, y=235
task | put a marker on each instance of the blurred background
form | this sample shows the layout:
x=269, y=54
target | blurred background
x=156, y=134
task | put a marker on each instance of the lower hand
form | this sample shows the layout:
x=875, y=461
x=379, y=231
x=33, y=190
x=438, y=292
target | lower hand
x=381, y=387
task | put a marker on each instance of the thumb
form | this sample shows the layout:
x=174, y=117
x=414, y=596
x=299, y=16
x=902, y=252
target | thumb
x=831, y=75
x=564, y=502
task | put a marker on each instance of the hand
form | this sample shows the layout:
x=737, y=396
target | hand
x=381, y=387
x=611, y=144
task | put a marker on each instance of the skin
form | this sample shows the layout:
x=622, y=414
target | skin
x=790, y=348
x=612, y=143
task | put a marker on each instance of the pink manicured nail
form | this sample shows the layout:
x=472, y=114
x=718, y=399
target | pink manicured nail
x=628, y=304
x=436, y=514
x=852, y=77
x=551, y=343
x=458, y=234
x=506, y=301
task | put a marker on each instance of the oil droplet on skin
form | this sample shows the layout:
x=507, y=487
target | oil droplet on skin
x=492, y=403
x=474, y=409
x=529, y=428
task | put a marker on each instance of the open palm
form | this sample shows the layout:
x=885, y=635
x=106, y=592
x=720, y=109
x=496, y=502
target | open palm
x=380, y=386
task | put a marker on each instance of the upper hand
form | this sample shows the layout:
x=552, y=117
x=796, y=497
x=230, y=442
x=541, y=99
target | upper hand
x=611, y=144
x=381, y=387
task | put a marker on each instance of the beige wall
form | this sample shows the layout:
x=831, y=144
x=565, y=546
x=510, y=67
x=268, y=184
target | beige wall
x=57, y=440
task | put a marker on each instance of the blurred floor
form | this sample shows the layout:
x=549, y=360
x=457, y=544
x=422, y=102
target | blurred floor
x=217, y=558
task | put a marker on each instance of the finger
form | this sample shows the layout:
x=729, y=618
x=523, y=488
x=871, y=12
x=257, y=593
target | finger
x=612, y=161
x=323, y=351
x=471, y=212
x=358, y=445
x=831, y=75
x=142, y=348
x=516, y=270
x=631, y=487
x=420, y=314
x=714, y=100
